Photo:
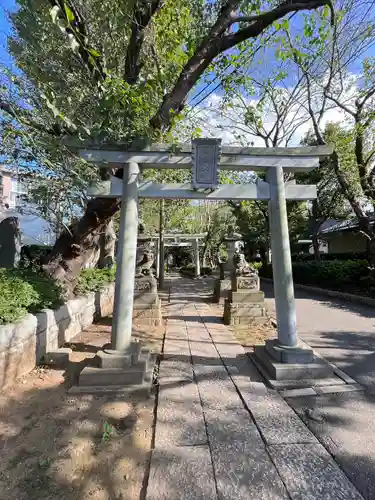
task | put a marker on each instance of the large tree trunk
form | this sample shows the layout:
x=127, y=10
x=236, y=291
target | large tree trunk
x=316, y=246
x=74, y=246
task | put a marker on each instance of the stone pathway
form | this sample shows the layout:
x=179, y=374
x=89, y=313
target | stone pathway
x=220, y=433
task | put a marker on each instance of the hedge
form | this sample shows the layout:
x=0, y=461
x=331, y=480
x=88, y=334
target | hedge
x=25, y=291
x=328, y=274
x=330, y=256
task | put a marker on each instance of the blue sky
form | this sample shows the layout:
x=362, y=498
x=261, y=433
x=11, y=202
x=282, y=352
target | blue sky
x=5, y=6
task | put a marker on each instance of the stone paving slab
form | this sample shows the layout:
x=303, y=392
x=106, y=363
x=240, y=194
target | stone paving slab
x=219, y=393
x=176, y=347
x=227, y=425
x=309, y=472
x=339, y=388
x=176, y=367
x=207, y=402
x=181, y=473
x=245, y=472
x=180, y=424
x=276, y=420
x=345, y=426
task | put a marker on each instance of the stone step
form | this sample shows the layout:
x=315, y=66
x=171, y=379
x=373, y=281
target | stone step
x=109, y=358
x=142, y=390
x=112, y=376
x=274, y=370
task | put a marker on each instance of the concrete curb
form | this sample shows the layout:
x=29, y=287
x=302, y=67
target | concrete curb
x=348, y=297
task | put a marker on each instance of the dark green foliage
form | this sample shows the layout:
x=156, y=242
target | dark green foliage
x=334, y=274
x=23, y=291
x=331, y=256
x=92, y=280
x=32, y=256
x=190, y=270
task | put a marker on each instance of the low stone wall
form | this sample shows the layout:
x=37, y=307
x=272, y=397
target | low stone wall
x=348, y=297
x=24, y=343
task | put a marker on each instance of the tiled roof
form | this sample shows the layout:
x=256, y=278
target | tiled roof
x=343, y=226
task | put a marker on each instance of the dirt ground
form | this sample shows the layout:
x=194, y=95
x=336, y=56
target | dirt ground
x=249, y=335
x=57, y=446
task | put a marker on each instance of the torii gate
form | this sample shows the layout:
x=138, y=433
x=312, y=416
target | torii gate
x=205, y=157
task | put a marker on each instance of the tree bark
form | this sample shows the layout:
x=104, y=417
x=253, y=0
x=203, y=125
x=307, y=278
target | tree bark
x=315, y=241
x=74, y=246
x=107, y=246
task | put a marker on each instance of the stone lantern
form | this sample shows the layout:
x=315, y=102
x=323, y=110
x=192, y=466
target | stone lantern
x=223, y=285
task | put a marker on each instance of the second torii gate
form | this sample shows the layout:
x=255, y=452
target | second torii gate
x=201, y=156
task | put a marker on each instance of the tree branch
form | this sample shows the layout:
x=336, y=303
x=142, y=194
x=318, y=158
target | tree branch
x=217, y=42
x=73, y=25
x=301, y=5
x=55, y=130
x=142, y=15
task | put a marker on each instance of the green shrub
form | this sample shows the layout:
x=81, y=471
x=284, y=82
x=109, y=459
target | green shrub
x=333, y=273
x=92, y=280
x=328, y=274
x=330, y=256
x=23, y=291
x=32, y=256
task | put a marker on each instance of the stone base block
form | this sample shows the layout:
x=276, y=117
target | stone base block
x=133, y=375
x=241, y=283
x=246, y=296
x=276, y=370
x=57, y=357
x=139, y=390
x=244, y=313
x=109, y=358
x=148, y=313
x=221, y=290
x=299, y=354
x=118, y=370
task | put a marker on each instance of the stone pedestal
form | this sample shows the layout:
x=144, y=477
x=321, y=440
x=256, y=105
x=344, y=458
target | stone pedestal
x=245, y=303
x=147, y=305
x=290, y=367
x=129, y=371
x=222, y=288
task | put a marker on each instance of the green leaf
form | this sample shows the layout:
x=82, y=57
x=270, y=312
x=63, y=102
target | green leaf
x=326, y=11
x=69, y=13
x=94, y=53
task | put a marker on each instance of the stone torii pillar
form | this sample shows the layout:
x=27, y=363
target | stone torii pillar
x=157, y=258
x=195, y=243
x=281, y=260
x=122, y=318
x=285, y=358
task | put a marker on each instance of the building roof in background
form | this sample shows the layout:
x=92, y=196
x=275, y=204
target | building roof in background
x=346, y=225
